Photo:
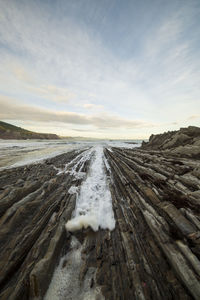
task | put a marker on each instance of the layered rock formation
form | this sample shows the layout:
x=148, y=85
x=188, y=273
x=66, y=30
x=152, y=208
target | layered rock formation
x=184, y=142
x=8, y=131
x=152, y=253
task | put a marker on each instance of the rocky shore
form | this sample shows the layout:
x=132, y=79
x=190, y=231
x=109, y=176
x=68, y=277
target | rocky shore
x=184, y=142
x=153, y=252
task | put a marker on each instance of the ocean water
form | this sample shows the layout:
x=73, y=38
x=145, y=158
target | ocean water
x=14, y=153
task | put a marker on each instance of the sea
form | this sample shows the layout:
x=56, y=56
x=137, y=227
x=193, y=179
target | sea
x=14, y=153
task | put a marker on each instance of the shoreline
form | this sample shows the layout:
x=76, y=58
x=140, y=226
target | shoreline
x=156, y=208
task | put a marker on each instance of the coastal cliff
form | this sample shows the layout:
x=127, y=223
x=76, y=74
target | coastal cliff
x=8, y=131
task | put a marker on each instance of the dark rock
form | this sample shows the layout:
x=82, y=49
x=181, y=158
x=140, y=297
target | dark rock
x=152, y=253
x=184, y=142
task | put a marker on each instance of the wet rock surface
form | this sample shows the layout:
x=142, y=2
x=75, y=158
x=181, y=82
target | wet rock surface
x=153, y=252
x=183, y=143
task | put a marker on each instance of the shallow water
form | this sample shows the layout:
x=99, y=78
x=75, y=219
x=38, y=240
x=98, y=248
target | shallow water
x=65, y=283
x=14, y=153
x=19, y=153
x=94, y=202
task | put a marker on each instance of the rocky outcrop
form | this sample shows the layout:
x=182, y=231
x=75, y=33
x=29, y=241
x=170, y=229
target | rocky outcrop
x=153, y=252
x=8, y=131
x=184, y=142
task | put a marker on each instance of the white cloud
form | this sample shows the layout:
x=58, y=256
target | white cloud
x=93, y=106
x=52, y=56
x=51, y=92
x=12, y=110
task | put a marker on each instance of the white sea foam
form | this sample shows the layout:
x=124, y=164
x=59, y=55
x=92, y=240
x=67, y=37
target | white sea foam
x=77, y=163
x=73, y=189
x=82, y=222
x=94, y=202
x=66, y=284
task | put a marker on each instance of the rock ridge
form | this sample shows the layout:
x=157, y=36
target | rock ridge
x=184, y=142
x=153, y=252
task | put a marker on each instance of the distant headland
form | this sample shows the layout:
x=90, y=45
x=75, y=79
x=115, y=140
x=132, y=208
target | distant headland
x=8, y=131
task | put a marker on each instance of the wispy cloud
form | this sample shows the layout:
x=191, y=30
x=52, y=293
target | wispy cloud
x=93, y=106
x=51, y=92
x=12, y=110
x=140, y=63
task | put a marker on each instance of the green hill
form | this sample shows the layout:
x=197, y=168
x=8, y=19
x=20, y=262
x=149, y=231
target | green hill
x=9, y=131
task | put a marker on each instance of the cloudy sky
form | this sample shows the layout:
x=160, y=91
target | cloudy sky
x=100, y=68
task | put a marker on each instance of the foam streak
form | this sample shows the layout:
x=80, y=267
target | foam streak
x=94, y=202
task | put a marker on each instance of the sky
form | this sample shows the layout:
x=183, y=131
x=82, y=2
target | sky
x=100, y=68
